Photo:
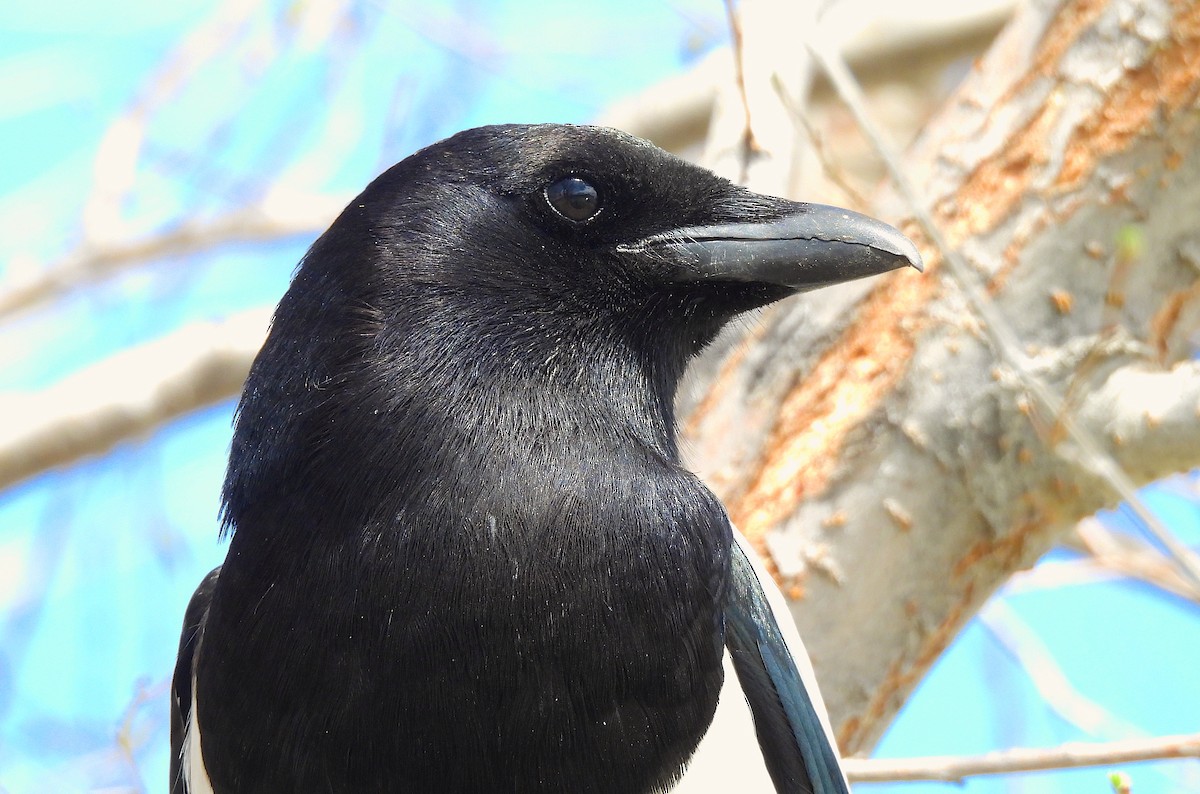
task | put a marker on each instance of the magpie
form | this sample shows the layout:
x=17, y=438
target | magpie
x=464, y=555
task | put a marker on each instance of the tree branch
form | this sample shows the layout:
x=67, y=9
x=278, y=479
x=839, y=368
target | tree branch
x=126, y=395
x=1052, y=684
x=1126, y=555
x=1149, y=416
x=267, y=222
x=955, y=769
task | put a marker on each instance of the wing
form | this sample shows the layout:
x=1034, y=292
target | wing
x=181, y=686
x=776, y=677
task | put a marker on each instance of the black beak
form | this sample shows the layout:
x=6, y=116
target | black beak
x=813, y=247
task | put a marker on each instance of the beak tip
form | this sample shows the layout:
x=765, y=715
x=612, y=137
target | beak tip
x=916, y=261
x=909, y=251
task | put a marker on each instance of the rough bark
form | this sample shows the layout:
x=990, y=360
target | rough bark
x=872, y=443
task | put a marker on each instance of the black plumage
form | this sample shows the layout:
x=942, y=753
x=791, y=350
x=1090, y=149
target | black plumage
x=464, y=554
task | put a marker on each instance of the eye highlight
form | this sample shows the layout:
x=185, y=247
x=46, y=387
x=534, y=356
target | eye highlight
x=573, y=198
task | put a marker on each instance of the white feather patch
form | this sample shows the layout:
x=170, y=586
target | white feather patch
x=195, y=776
x=728, y=757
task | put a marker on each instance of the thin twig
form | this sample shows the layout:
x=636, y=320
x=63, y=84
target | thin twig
x=1143, y=563
x=1055, y=575
x=955, y=769
x=117, y=156
x=735, y=33
x=91, y=263
x=835, y=174
x=1052, y=684
x=1132, y=557
x=129, y=741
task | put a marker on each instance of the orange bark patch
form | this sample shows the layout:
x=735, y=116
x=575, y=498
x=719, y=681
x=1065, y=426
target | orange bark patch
x=1159, y=88
x=998, y=183
x=1163, y=323
x=845, y=385
x=1162, y=86
x=1063, y=301
x=1006, y=549
x=1062, y=32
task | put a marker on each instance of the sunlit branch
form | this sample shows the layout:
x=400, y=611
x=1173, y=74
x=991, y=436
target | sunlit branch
x=127, y=395
x=955, y=769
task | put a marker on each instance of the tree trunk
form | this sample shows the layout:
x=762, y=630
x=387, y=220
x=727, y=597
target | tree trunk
x=871, y=442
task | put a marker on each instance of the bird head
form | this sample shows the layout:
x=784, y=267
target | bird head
x=545, y=235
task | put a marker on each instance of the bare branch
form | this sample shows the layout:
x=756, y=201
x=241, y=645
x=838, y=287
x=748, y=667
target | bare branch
x=751, y=139
x=1149, y=416
x=117, y=156
x=127, y=395
x=955, y=769
x=1052, y=684
x=1123, y=555
x=266, y=222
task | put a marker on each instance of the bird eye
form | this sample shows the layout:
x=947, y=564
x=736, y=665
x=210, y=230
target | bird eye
x=573, y=198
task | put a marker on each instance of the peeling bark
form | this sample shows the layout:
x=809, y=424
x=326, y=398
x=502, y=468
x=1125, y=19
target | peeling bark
x=870, y=441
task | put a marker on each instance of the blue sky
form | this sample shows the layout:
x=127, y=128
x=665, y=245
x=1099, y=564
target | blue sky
x=98, y=560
